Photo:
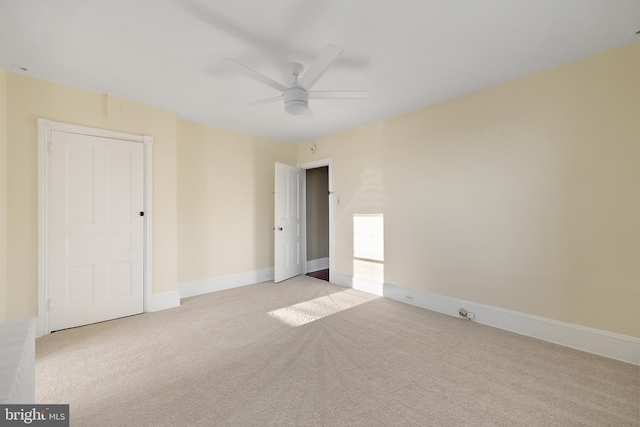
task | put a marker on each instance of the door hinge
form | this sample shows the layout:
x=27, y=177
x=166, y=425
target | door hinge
x=49, y=305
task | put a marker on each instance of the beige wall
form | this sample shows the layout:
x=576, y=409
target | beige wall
x=524, y=196
x=27, y=100
x=317, y=213
x=3, y=194
x=225, y=201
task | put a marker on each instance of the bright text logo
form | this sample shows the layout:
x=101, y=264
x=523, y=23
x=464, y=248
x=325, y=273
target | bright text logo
x=36, y=415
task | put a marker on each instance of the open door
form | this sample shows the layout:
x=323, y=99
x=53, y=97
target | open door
x=287, y=228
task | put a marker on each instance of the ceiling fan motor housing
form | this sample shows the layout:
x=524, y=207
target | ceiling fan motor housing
x=296, y=100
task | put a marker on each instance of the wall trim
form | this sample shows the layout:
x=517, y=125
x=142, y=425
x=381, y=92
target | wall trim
x=45, y=127
x=357, y=284
x=608, y=344
x=317, y=264
x=163, y=301
x=148, y=224
x=220, y=283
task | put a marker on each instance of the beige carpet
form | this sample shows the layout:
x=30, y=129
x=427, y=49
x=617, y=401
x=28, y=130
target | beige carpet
x=264, y=355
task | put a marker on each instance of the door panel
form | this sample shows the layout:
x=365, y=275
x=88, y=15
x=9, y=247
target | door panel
x=97, y=193
x=287, y=236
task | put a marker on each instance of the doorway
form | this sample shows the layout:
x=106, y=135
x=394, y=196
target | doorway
x=317, y=222
x=315, y=260
x=290, y=222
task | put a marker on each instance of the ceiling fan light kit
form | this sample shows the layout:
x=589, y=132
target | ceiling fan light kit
x=296, y=97
x=296, y=101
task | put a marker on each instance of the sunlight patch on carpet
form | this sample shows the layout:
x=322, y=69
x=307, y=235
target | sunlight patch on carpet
x=312, y=310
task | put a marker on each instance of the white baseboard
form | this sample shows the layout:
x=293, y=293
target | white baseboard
x=199, y=287
x=603, y=343
x=163, y=301
x=317, y=264
x=340, y=279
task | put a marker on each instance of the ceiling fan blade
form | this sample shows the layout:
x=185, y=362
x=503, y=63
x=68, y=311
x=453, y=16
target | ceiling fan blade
x=320, y=66
x=260, y=102
x=309, y=114
x=256, y=75
x=347, y=94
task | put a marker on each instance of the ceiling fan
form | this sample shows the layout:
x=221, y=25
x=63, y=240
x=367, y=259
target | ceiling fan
x=296, y=97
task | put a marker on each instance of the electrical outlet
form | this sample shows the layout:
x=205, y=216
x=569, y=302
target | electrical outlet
x=466, y=314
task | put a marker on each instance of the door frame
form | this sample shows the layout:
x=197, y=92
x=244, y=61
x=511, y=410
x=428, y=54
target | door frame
x=312, y=165
x=45, y=127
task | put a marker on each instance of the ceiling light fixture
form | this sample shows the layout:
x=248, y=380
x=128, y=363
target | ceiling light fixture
x=296, y=97
x=296, y=101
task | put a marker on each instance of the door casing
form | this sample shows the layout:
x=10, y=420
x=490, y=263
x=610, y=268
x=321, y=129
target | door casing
x=45, y=127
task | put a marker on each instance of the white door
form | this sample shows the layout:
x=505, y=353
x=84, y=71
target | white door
x=97, y=197
x=287, y=233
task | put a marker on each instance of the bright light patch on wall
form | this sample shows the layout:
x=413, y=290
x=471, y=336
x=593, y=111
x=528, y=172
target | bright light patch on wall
x=368, y=253
x=312, y=310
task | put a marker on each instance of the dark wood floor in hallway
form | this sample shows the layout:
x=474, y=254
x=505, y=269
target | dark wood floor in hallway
x=320, y=274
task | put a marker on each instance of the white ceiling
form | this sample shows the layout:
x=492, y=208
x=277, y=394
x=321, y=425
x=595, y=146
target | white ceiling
x=408, y=53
